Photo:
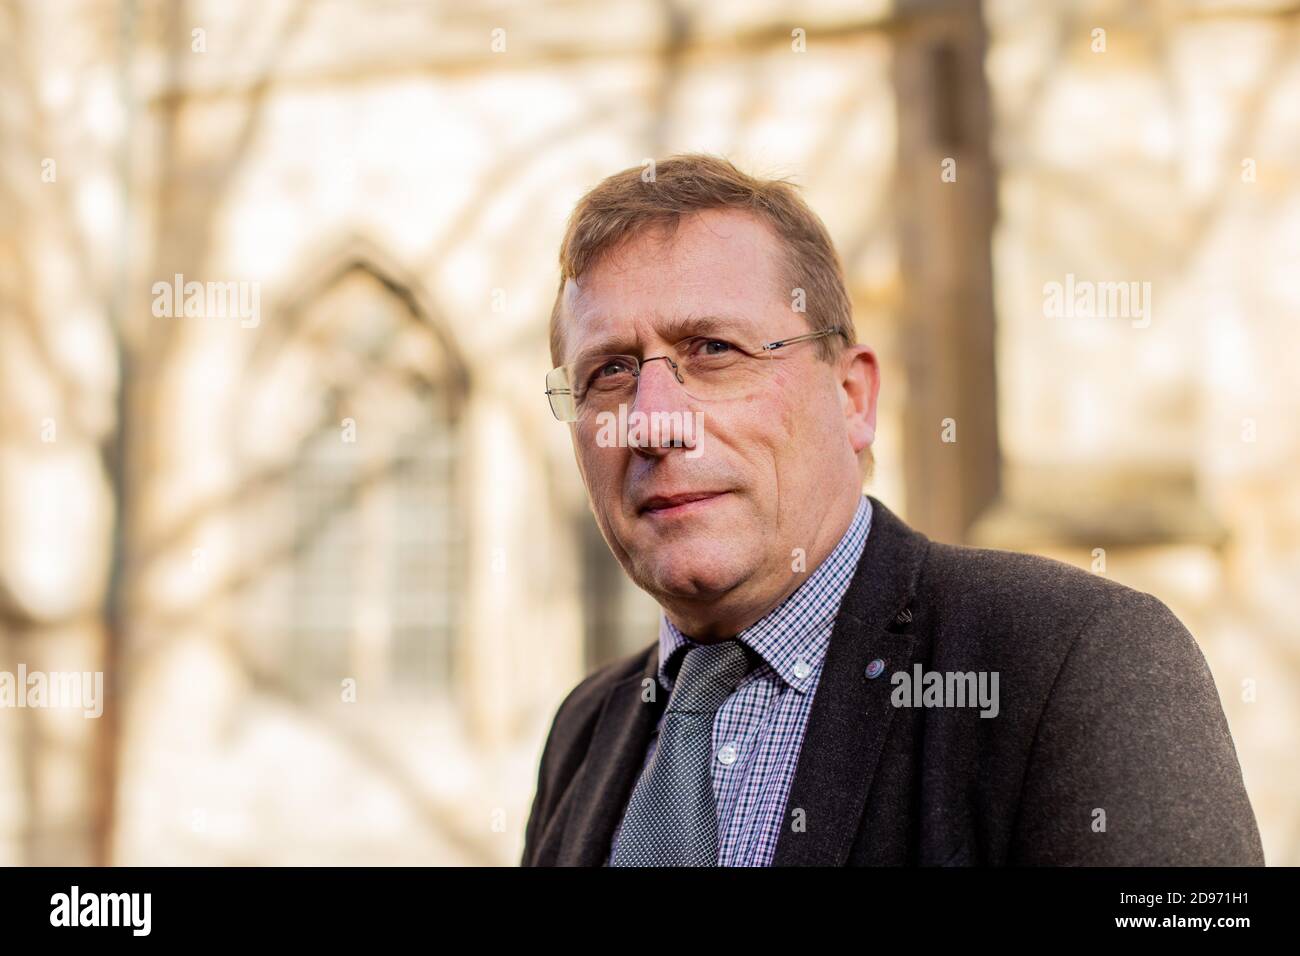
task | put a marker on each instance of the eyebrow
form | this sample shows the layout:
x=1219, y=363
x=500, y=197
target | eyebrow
x=673, y=330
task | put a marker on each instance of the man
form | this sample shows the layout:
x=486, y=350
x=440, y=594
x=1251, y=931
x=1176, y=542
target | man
x=829, y=686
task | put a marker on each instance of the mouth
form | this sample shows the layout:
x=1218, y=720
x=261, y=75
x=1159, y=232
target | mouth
x=662, y=506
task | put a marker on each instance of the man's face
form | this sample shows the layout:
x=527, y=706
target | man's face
x=778, y=462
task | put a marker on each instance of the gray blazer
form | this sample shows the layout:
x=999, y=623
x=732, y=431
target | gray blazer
x=1109, y=745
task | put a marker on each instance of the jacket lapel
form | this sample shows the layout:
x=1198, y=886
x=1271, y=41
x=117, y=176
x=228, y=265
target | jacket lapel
x=604, y=781
x=851, y=711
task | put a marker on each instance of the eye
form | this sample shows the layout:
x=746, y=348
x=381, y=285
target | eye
x=606, y=373
x=709, y=348
x=613, y=367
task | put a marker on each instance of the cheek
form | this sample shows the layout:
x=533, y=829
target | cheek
x=789, y=413
x=799, y=427
x=602, y=471
x=760, y=432
x=791, y=402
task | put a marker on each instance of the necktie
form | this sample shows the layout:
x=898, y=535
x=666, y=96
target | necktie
x=671, y=819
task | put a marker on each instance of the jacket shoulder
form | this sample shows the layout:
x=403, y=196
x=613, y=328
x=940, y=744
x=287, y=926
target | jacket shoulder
x=582, y=704
x=1021, y=614
x=1109, y=705
x=569, y=738
x=1010, y=585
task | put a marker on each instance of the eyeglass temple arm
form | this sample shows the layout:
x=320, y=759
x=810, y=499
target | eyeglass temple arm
x=772, y=346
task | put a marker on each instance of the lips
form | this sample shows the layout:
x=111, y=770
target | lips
x=656, y=504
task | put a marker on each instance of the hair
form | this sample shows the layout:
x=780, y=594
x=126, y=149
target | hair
x=628, y=202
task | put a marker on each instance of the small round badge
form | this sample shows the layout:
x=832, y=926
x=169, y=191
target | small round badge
x=875, y=669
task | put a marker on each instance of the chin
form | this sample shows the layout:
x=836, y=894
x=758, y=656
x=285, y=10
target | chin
x=695, y=575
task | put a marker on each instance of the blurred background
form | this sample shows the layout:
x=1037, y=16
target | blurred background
x=337, y=564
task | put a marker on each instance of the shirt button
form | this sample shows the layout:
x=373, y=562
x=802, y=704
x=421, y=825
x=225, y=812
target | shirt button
x=727, y=754
x=802, y=668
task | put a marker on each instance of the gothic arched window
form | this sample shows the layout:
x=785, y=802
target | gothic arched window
x=351, y=429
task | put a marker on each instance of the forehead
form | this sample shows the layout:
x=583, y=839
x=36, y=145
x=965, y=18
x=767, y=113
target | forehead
x=717, y=262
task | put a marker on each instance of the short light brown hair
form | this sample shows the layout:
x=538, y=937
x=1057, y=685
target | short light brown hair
x=631, y=200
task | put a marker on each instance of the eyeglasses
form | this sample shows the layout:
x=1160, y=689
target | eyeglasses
x=710, y=368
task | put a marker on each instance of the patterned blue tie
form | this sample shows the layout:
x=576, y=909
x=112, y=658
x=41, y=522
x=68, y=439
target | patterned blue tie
x=672, y=818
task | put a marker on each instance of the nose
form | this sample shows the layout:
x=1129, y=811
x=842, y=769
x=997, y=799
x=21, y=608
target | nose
x=660, y=409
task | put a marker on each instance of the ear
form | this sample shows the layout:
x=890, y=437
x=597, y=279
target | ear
x=859, y=376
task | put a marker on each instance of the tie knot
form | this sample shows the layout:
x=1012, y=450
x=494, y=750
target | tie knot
x=708, y=675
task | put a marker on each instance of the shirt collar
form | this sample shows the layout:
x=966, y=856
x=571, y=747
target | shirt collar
x=791, y=638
